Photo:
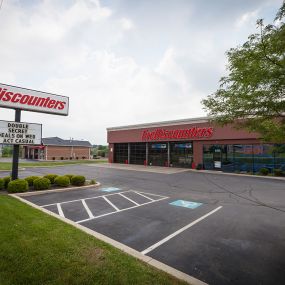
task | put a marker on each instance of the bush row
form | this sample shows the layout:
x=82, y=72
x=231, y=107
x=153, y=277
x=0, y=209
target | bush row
x=42, y=183
x=276, y=172
x=262, y=171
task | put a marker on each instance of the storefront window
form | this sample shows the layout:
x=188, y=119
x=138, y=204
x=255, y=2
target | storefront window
x=208, y=157
x=243, y=158
x=263, y=157
x=228, y=158
x=181, y=154
x=279, y=156
x=157, y=154
x=138, y=153
x=121, y=152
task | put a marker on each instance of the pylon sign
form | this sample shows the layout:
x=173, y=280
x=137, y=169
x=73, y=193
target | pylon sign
x=32, y=100
x=19, y=133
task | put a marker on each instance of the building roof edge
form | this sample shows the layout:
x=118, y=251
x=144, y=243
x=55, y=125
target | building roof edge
x=161, y=124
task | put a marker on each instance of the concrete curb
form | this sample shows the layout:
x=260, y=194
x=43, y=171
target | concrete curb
x=136, y=254
x=20, y=169
x=237, y=174
x=32, y=193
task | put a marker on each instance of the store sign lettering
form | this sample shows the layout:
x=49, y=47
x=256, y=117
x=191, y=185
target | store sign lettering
x=162, y=134
x=31, y=100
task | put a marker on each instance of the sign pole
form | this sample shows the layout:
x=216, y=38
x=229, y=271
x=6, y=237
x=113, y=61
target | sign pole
x=16, y=149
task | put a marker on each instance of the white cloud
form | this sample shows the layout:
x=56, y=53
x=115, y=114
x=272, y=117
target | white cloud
x=117, y=66
x=127, y=24
x=248, y=18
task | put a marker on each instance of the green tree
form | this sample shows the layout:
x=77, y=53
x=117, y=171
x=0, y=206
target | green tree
x=7, y=151
x=252, y=95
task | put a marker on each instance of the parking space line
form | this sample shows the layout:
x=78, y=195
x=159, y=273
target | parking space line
x=60, y=212
x=154, y=246
x=94, y=197
x=108, y=201
x=139, y=192
x=129, y=199
x=87, y=209
x=144, y=196
x=114, y=212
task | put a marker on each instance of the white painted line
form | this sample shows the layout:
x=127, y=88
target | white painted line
x=94, y=197
x=144, y=196
x=87, y=209
x=60, y=212
x=133, y=207
x=108, y=201
x=154, y=246
x=148, y=193
x=149, y=260
x=129, y=199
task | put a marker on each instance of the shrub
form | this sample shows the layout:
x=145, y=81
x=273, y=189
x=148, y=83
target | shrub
x=264, y=171
x=31, y=179
x=2, y=183
x=18, y=185
x=51, y=177
x=69, y=176
x=63, y=181
x=78, y=180
x=6, y=179
x=278, y=172
x=92, y=181
x=42, y=183
x=199, y=166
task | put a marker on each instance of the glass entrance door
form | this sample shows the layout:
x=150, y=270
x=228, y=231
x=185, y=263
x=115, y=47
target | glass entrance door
x=181, y=154
x=157, y=154
x=217, y=158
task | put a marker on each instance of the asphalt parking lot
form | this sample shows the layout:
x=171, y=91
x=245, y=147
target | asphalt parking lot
x=220, y=229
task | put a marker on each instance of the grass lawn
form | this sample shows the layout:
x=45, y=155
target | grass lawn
x=8, y=165
x=36, y=248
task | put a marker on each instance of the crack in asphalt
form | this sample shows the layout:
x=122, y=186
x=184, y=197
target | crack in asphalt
x=242, y=197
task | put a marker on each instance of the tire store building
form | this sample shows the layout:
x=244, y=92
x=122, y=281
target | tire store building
x=193, y=143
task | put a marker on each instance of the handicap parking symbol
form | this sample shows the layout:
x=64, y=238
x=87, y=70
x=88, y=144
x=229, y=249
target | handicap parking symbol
x=186, y=204
x=110, y=189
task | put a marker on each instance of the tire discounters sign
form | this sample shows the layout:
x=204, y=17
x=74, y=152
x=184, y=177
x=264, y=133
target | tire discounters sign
x=32, y=100
x=20, y=133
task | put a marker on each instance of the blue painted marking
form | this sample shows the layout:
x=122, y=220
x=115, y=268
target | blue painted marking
x=186, y=204
x=110, y=189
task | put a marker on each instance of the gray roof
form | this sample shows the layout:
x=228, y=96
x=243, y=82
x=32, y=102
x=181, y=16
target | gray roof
x=162, y=124
x=60, y=142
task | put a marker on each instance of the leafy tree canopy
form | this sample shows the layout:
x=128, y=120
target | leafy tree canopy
x=252, y=96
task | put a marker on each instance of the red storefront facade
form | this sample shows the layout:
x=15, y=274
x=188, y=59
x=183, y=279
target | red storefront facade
x=192, y=142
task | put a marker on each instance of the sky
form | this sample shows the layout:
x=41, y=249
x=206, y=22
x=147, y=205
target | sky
x=121, y=62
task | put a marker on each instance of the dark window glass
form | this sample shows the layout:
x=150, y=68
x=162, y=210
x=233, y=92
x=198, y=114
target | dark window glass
x=279, y=155
x=181, y=154
x=157, y=154
x=263, y=157
x=208, y=157
x=121, y=152
x=228, y=158
x=243, y=158
x=138, y=153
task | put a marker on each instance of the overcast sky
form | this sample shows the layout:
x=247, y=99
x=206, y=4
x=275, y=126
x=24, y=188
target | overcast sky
x=121, y=62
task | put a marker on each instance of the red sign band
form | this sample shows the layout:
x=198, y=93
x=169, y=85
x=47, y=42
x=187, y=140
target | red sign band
x=162, y=134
